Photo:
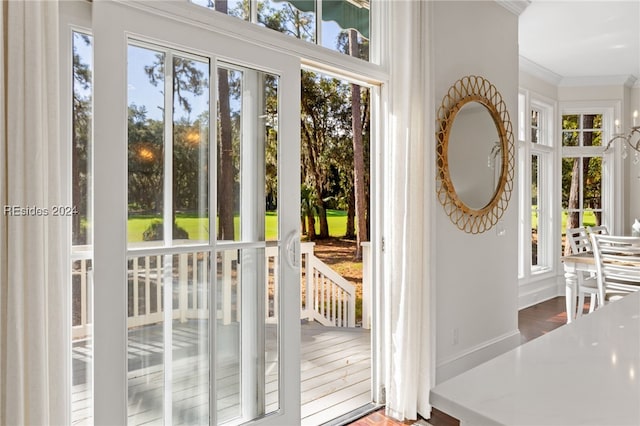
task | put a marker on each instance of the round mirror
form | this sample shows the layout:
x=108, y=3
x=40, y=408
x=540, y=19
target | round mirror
x=474, y=154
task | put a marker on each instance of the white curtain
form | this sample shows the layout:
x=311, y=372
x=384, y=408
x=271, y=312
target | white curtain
x=409, y=369
x=34, y=330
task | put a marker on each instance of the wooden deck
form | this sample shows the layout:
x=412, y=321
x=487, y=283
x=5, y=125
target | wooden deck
x=335, y=375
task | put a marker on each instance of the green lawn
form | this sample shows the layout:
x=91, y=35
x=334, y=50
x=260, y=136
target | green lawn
x=197, y=228
x=589, y=219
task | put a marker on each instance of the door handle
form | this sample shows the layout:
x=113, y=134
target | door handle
x=292, y=250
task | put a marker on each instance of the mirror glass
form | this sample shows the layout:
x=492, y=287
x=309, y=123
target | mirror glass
x=474, y=155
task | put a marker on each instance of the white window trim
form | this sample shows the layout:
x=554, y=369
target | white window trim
x=547, y=153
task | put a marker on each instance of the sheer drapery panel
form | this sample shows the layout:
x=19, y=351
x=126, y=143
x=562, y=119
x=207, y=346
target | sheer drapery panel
x=33, y=316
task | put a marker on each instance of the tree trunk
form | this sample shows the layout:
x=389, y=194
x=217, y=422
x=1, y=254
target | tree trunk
x=573, y=218
x=358, y=155
x=225, y=170
x=311, y=226
x=322, y=218
x=351, y=215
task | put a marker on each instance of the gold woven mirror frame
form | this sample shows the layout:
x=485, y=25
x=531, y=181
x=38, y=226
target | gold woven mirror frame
x=474, y=89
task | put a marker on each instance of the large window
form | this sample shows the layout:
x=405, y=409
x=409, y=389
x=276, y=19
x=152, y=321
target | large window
x=582, y=135
x=536, y=174
x=340, y=25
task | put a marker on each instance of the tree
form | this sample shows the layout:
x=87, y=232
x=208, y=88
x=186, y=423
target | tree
x=189, y=137
x=145, y=160
x=324, y=124
x=308, y=211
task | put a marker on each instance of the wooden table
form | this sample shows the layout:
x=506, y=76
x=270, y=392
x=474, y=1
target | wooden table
x=574, y=266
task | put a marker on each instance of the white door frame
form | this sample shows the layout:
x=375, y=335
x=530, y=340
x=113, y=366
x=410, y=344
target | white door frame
x=114, y=23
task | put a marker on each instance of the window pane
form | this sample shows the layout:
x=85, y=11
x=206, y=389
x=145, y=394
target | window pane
x=592, y=184
x=295, y=18
x=592, y=121
x=270, y=130
x=146, y=338
x=535, y=129
x=168, y=363
x=247, y=155
x=247, y=348
x=81, y=251
x=190, y=338
x=237, y=8
x=190, y=149
x=570, y=138
x=535, y=197
x=534, y=181
x=146, y=144
x=592, y=138
x=228, y=153
x=570, y=183
x=345, y=27
x=570, y=122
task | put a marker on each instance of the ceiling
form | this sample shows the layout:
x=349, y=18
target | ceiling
x=581, y=40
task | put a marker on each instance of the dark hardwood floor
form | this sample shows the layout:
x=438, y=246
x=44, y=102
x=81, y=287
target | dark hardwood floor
x=533, y=322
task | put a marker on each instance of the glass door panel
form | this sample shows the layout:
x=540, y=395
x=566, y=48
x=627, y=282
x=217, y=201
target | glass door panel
x=168, y=199
x=192, y=224
x=247, y=334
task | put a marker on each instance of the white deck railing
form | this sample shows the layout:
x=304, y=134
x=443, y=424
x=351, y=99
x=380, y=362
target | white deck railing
x=326, y=297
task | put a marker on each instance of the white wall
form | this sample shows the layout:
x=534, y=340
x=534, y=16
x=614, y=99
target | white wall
x=476, y=298
x=538, y=86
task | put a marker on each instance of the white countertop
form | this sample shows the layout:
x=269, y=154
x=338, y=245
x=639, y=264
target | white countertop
x=583, y=373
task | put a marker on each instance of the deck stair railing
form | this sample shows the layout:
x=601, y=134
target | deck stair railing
x=326, y=297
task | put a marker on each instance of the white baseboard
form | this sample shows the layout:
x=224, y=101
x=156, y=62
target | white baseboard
x=536, y=292
x=459, y=363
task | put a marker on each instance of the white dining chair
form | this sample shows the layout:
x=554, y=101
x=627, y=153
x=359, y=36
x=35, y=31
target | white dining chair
x=587, y=283
x=600, y=229
x=617, y=261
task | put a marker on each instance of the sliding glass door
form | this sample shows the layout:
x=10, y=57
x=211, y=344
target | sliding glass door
x=196, y=224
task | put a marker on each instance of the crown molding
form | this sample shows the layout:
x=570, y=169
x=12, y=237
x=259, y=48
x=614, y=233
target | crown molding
x=604, y=80
x=514, y=6
x=539, y=71
x=545, y=74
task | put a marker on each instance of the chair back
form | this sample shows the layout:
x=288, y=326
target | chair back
x=578, y=239
x=600, y=229
x=617, y=261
